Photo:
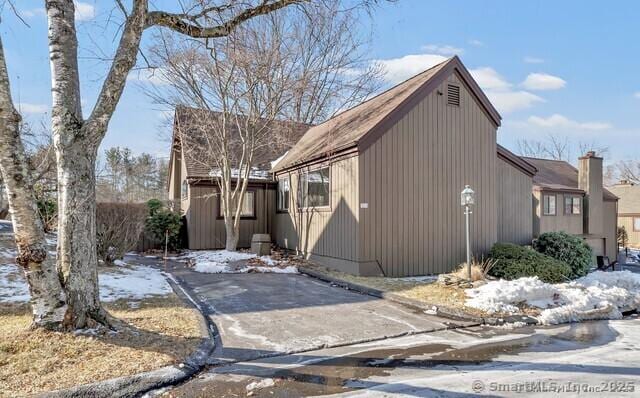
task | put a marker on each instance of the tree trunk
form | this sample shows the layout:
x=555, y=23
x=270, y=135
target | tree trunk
x=232, y=232
x=47, y=296
x=77, y=255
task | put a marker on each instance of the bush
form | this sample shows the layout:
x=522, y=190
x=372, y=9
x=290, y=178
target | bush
x=118, y=229
x=160, y=220
x=513, y=262
x=566, y=248
x=48, y=212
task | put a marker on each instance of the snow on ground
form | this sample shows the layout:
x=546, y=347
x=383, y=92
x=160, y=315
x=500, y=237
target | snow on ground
x=231, y=262
x=135, y=283
x=599, y=295
x=132, y=283
x=13, y=288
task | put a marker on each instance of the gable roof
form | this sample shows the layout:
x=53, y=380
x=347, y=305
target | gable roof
x=347, y=129
x=516, y=161
x=558, y=175
x=629, y=198
x=188, y=123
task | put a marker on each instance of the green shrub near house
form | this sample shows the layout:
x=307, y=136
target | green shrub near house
x=566, y=248
x=514, y=261
x=162, y=220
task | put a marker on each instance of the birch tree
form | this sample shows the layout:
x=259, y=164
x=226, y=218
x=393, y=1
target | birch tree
x=69, y=298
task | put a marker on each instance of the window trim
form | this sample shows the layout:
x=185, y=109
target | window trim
x=301, y=208
x=278, y=208
x=220, y=216
x=572, y=197
x=184, y=190
x=633, y=224
x=555, y=200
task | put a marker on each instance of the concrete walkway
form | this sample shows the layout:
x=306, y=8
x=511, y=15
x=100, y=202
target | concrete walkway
x=263, y=315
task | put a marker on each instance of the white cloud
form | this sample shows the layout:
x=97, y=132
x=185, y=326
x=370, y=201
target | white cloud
x=476, y=43
x=637, y=94
x=25, y=107
x=533, y=60
x=511, y=101
x=557, y=121
x=400, y=69
x=154, y=76
x=489, y=79
x=444, y=49
x=543, y=81
x=501, y=93
x=84, y=11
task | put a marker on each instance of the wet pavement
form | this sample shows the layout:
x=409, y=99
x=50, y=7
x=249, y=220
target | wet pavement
x=264, y=315
x=590, y=356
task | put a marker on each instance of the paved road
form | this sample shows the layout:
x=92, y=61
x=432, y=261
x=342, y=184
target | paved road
x=259, y=315
x=595, y=357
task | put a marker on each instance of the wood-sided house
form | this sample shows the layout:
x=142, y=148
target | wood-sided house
x=375, y=190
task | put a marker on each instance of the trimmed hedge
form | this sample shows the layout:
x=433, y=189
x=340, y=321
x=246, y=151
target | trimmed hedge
x=566, y=248
x=513, y=262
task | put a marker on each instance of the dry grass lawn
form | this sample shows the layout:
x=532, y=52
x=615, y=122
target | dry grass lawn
x=428, y=292
x=159, y=332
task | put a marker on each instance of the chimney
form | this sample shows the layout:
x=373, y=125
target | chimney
x=590, y=181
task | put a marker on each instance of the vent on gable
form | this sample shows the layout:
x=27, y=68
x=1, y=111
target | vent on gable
x=453, y=95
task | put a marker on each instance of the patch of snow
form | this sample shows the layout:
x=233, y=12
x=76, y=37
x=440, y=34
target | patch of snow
x=120, y=263
x=423, y=278
x=275, y=162
x=599, y=295
x=5, y=225
x=259, y=385
x=13, y=287
x=254, y=174
x=221, y=262
x=135, y=283
x=8, y=252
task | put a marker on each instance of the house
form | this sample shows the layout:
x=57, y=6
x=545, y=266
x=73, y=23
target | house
x=375, y=190
x=574, y=200
x=629, y=210
x=192, y=187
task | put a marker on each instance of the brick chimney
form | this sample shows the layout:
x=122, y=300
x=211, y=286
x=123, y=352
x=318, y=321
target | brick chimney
x=590, y=181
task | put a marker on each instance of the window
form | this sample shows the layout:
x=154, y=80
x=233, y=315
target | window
x=184, y=190
x=549, y=205
x=572, y=204
x=313, y=190
x=636, y=224
x=248, y=205
x=283, y=194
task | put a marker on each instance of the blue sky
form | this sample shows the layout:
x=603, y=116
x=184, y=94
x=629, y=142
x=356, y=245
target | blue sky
x=567, y=69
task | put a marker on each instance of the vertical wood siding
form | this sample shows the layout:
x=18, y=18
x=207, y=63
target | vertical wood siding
x=325, y=232
x=610, y=228
x=411, y=179
x=571, y=223
x=515, y=220
x=627, y=223
x=206, y=231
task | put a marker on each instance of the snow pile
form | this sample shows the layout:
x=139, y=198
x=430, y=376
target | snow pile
x=135, y=283
x=599, y=295
x=222, y=262
x=13, y=288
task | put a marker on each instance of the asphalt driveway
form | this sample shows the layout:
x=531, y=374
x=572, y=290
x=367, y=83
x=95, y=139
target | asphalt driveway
x=261, y=315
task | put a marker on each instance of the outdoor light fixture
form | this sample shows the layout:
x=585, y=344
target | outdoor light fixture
x=468, y=199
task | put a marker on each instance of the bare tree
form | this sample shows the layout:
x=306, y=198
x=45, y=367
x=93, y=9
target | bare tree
x=295, y=67
x=76, y=141
x=556, y=148
x=628, y=170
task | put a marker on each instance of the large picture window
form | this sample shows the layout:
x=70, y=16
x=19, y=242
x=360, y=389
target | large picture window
x=572, y=204
x=284, y=190
x=313, y=190
x=549, y=205
x=248, y=205
x=636, y=224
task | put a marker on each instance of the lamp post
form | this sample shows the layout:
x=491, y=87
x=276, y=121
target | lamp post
x=467, y=199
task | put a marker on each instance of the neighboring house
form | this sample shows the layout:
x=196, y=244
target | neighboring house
x=375, y=190
x=575, y=201
x=192, y=186
x=629, y=210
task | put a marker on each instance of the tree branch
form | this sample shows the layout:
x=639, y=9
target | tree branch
x=188, y=25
